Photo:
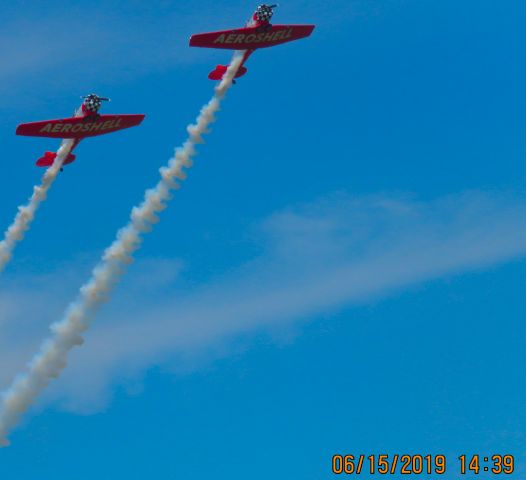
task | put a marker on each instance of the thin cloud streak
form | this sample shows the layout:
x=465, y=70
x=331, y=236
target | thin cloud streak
x=331, y=254
x=67, y=334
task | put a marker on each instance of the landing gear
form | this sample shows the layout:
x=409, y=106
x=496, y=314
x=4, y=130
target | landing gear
x=92, y=117
x=264, y=28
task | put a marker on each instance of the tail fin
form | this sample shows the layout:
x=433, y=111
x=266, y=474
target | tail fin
x=220, y=70
x=49, y=157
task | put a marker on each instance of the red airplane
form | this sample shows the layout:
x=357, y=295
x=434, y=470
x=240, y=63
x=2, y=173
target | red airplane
x=86, y=122
x=258, y=33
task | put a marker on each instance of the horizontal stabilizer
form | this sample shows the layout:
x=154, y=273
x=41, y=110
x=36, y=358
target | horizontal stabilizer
x=251, y=38
x=220, y=70
x=49, y=157
x=79, y=127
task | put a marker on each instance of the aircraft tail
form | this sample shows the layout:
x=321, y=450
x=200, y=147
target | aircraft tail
x=49, y=157
x=220, y=70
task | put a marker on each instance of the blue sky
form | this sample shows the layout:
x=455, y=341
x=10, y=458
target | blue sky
x=342, y=272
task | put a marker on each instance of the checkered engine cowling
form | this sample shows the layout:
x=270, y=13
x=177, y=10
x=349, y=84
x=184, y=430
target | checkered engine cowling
x=92, y=103
x=264, y=13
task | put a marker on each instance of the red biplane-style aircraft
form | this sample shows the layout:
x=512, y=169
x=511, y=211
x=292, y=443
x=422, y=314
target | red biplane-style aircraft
x=258, y=33
x=86, y=122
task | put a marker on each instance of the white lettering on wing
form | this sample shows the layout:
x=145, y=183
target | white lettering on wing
x=220, y=39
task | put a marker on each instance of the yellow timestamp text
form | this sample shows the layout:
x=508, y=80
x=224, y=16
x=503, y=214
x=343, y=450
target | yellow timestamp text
x=398, y=464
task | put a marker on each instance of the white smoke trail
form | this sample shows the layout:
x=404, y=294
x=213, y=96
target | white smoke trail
x=66, y=334
x=26, y=213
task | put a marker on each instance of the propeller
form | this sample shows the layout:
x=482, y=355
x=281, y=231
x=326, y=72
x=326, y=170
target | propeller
x=265, y=12
x=93, y=95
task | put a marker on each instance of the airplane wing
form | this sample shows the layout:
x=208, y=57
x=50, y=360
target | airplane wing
x=79, y=127
x=251, y=38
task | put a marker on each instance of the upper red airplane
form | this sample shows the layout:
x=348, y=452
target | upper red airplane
x=86, y=122
x=258, y=33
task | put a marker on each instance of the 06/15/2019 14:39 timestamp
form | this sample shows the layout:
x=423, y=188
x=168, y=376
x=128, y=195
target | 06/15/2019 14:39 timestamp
x=422, y=464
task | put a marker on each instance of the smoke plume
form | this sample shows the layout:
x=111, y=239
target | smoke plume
x=26, y=213
x=66, y=334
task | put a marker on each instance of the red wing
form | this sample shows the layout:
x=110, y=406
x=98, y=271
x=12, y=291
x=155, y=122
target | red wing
x=79, y=127
x=251, y=38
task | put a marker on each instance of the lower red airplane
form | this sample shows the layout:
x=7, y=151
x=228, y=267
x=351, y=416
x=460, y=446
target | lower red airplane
x=85, y=123
x=258, y=33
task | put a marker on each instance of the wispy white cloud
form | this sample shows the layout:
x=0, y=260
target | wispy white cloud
x=67, y=334
x=87, y=45
x=113, y=41
x=314, y=258
x=107, y=44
